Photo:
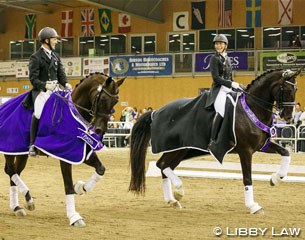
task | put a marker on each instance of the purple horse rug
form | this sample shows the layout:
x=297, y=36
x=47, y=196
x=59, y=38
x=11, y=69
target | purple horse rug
x=62, y=132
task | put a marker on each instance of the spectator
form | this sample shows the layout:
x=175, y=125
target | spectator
x=297, y=114
x=295, y=41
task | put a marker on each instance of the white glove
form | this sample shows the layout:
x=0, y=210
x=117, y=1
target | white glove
x=235, y=85
x=68, y=86
x=51, y=85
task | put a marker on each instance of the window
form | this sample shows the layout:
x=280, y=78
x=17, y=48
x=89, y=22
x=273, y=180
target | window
x=271, y=37
x=181, y=42
x=290, y=37
x=206, y=40
x=245, y=38
x=118, y=44
x=85, y=43
x=142, y=44
x=22, y=49
x=66, y=47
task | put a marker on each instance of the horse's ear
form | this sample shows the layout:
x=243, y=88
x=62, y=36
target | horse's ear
x=120, y=81
x=108, y=81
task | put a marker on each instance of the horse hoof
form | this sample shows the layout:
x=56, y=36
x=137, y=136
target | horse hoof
x=79, y=223
x=79, y=187
x=256, y=209
x=19, y=212
x=179, y=193
x=275, y=179
x=30, y=205
x=175, y=204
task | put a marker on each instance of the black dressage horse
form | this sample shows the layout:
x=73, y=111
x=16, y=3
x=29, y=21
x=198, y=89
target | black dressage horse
x=274, y=88
x=94, y=97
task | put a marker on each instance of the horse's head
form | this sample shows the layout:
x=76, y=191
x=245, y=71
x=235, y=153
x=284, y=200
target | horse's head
x=284, y=92
x=96, y=99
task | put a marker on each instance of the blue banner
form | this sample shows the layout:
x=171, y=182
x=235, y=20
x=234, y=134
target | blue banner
x=239, y=61
x=147, y=65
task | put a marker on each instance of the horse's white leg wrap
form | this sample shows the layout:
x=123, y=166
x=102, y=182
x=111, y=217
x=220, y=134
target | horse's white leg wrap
x=167, y=190
x=168, y=172
x=249, y=200
x=70, y=208
x=284, y=166
x=20, y=184
x=91, y=182
x=14, y=197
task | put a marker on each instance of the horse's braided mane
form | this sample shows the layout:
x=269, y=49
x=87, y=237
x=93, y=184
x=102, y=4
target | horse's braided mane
x=261, y=76
x=89, y=76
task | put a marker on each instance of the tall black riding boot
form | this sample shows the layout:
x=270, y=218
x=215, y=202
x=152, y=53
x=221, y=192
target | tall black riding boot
x=215, y=128
x=33, y=133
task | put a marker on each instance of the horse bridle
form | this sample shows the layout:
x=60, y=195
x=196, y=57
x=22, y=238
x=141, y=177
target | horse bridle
x=279, y=96
x=93, y=111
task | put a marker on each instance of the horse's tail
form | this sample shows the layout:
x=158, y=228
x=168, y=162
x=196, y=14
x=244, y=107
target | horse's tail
x=140, y=137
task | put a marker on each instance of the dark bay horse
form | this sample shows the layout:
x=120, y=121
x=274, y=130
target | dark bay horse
x=94, y=97
x=273, y=87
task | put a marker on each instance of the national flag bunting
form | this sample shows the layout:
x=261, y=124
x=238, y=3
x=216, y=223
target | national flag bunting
x=198, y=15
x=66, y=23
x=224, y=13
x=285, y=12
x=30, y=26
x=87, y=22
x=105, y=20
x=124, y=23
x=253, y=13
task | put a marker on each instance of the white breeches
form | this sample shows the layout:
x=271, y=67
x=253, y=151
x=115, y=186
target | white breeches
x=220, y=100
x=40, y=102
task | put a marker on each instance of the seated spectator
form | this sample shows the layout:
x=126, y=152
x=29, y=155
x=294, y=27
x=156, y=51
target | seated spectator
x=112, y=123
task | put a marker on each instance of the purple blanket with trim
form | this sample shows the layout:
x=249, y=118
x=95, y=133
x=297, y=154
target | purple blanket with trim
x=62, y=132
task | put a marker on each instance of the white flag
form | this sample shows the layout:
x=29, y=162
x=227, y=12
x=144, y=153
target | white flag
x=285, y=12
x=181, y=21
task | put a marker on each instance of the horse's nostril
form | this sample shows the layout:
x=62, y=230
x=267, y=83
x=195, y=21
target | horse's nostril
x=98, y=130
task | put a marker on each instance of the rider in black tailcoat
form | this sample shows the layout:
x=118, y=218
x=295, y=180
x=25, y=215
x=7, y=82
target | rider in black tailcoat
x=46, y=71
x=221, y=71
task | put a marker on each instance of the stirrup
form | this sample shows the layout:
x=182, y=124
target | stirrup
x=32, y=151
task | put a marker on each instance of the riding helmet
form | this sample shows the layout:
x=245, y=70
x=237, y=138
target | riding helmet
x=47, y=33
x=220, y=38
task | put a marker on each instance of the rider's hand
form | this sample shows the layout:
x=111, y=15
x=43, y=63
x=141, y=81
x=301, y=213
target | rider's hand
x=51, y=85
x=68, y=86
x=237, y=86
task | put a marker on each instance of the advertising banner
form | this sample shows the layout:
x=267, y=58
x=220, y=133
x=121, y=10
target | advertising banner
x=22, y=69
x=239, y=61
x=8, y=68
x=274, y=60
x=92, y=65
x=73, y=66
x=147, y=65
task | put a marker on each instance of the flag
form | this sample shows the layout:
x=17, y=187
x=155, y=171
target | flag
x=66, y=23
x=124, y=23
x=30, y=26
x=253, y=15
x=224, y=13
x=87, y=22
x=198, y=15
x=285, y=12
x=105, y=20
x=181, y=21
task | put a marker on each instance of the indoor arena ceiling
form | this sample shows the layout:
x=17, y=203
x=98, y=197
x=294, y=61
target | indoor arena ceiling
x=148, y=9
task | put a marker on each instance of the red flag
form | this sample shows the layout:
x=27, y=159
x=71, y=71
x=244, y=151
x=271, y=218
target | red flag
x=124, y=23
x=224, y=13
x=66, y=23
